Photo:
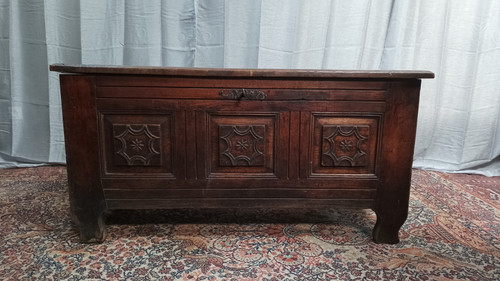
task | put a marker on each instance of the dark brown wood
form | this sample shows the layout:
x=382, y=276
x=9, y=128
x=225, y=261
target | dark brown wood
x=235, y=72
x=239, y=203
x=397, y=145
x=244, y=180
x=264, y=84
x=152, y=137
x=82, y=156
x=134, y=194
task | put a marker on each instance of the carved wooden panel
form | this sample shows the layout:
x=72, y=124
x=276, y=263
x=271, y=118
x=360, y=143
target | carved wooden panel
x=241, y=145
x=137, y=144
x=344, y=146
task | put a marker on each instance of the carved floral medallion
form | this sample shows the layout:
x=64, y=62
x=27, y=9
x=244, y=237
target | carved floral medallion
x=137, y=144
x=344, y=146
x=241, y=145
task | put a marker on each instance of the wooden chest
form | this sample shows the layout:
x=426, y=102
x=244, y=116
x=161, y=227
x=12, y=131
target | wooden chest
x=151, y=137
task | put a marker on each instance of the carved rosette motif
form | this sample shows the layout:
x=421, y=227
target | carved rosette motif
x=241, y=145
x=243, y=94
x=137, y=144
x=345, y=146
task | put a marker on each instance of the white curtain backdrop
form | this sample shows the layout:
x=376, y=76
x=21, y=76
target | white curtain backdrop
x=459, y=126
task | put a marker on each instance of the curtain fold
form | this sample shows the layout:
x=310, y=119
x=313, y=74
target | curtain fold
x=458, y=127
x=459, y=119
x=5, y=86
x=29, y=90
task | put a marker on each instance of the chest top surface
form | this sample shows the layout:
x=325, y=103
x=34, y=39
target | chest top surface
x=242, y=72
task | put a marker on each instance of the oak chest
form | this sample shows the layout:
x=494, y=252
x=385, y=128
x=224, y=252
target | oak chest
x=151, y=137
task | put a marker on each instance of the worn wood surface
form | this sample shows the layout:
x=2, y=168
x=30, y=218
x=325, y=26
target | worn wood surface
x=156, y=137
x=82, y=156
x=235, y=72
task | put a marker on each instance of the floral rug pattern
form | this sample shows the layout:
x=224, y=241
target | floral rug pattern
x=452, y=233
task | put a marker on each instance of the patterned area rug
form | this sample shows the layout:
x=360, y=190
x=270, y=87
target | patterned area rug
x=452, y=233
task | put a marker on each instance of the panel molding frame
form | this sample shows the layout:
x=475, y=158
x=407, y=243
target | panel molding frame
x=271, y=122
x=111, y=167
x=312, y=168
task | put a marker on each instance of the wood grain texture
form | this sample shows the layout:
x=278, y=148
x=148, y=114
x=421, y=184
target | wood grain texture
x=289, y=203
x=397, y=146
x=151, y=137
x=241, y=72
x=82, y=156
